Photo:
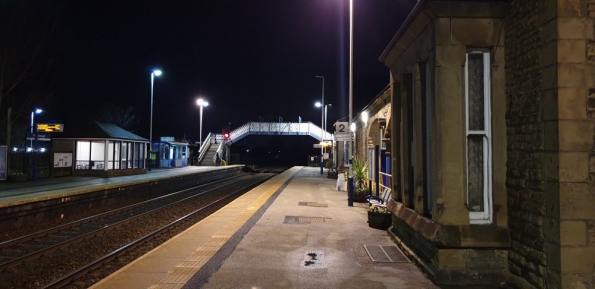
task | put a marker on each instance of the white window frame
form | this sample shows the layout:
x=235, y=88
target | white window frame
x=485, y=217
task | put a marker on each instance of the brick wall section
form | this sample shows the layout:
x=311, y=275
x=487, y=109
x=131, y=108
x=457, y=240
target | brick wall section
x=525, y=79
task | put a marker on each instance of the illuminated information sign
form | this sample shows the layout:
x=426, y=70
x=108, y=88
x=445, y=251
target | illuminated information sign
x=50, y=127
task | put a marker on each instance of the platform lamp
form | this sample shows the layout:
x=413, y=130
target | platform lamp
x=34, y=144
x=325, y=117
x=350, y=177
x=201, y=103
x=154, y=73
x=33, y=113
x=321, y=104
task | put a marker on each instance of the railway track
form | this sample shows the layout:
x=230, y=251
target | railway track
x=75, y=254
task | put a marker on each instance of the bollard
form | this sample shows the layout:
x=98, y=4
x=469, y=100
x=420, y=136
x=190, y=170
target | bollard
x=350, y=191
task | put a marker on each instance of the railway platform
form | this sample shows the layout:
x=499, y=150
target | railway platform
x=43, y=189
x=293, y=231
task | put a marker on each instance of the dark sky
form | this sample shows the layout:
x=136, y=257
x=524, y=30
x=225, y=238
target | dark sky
x=246, y=58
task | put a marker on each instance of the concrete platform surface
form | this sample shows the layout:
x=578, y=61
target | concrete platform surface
x=293, y=231
x=43, y=189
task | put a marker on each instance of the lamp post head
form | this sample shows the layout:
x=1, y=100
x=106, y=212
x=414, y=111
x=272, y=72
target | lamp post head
x=201, y=102
x=156, y=72
x=318, y=104
x=38, y=110
x=364, y=117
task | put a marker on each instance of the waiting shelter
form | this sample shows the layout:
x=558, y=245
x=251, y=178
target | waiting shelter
x=104, y=150
x=169, y=153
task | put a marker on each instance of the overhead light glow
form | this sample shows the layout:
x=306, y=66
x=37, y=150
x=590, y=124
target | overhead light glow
x=202, y=102
x=365, y=117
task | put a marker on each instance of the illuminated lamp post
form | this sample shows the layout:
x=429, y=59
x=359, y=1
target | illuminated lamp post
x=34, y=145
x=200, y=102
x=350, y=178
x=154, y=73
x=33, y=113
x=321, y=104
x=318, y=104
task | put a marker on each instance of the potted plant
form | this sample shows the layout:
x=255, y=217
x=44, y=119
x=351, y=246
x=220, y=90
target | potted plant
x=360, y=194
x=360, y=176
x=379, y=217
x=330, y=165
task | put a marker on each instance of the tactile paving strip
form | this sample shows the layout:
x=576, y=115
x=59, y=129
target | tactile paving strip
x=179, y=275
x=385, y=254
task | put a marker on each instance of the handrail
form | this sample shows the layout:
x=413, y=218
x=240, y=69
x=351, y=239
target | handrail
x=381, y=184
x=277, y=128
x=204, y=147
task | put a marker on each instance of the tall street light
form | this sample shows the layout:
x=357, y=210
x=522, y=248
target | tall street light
x=319, y=104
x=322, y=126
x=34, y=148
x=154, y=73
x=350, y=178
x=325, y=115
x=200, y=102
x=33, y=113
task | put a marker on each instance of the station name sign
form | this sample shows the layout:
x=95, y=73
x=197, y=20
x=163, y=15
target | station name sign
x=50, y=127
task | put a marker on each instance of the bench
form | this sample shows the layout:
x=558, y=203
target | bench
x=382, y=200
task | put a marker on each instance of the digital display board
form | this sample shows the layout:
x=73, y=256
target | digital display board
x=50, y=127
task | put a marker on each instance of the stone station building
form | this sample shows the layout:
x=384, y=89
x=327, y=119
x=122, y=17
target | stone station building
x=492, y=133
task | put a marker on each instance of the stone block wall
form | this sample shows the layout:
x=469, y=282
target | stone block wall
x=444, y=256
x=529, y=79
x=550, y=69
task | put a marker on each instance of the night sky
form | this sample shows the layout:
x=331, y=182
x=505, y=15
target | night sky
x=248, y=59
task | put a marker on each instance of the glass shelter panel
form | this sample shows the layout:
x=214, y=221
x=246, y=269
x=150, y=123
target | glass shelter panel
x=97, y=155
x=83, y=155
x=123, y=155
x=114, y=155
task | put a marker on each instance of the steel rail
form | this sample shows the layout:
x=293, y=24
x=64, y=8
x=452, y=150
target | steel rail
x=65, y=280
x=103, y=229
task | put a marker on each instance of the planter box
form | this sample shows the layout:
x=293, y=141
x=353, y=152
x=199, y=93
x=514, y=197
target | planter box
x=379, y=220
x=360, y=198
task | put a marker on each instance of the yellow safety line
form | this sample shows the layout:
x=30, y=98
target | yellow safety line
x=179, y=275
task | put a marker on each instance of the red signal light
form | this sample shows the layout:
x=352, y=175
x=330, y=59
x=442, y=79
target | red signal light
x=226, y=135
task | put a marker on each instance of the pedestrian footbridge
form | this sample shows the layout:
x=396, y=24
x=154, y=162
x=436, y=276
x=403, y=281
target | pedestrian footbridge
x=260, y=128
x=279, y=128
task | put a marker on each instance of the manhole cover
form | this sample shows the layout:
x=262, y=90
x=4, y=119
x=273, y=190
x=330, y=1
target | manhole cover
x=303, y=220
x=385, y=254
x=312, y=204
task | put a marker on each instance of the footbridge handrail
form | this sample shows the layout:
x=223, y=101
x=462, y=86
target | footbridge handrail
x=278, y=128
